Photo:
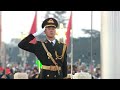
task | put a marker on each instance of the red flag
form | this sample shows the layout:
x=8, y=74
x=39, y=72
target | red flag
x=1, y=69
x=34, y=28
x=68, y=30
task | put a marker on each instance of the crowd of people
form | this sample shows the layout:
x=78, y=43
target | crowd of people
x=93, y=71
x=10, y=71
x=33, y=72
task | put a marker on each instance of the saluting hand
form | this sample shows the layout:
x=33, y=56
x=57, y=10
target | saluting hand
x=38, y=32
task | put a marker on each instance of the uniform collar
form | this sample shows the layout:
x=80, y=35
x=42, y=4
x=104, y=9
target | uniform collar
x=54, y=41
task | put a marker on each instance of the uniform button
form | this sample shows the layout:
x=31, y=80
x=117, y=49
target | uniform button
x=47, y=75
x=55, y=76
x=48, y=58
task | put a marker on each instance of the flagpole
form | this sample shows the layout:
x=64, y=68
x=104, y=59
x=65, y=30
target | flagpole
x=91, y=36
x=71, y=49
x=0, y=33
x=36, y=31
x=0, y=27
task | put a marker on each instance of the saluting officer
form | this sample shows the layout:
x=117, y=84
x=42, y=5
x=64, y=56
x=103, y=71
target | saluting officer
x=51, y=53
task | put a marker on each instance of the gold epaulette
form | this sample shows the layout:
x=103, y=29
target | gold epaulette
x=41, y=41
x=61, y=42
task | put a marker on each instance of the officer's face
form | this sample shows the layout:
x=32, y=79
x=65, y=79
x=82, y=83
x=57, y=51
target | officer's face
x=50, y=32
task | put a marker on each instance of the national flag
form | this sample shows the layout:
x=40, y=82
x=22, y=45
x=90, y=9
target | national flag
x=34, y=28
x=69, y=27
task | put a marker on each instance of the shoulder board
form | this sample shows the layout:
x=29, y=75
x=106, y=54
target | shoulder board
x=41, y=41
x=61, y=42
x=45, y=41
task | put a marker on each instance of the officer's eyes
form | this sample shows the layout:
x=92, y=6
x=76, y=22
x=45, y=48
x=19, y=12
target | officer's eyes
x=51, y=29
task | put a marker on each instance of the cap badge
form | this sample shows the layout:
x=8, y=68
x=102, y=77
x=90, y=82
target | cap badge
x=50, y=21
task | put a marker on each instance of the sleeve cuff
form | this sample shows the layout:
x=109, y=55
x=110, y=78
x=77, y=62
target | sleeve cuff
x=31, y=36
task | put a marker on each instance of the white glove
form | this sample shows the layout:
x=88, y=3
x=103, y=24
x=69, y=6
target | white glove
x=38, y=32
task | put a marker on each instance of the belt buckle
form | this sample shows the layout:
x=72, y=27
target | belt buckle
x=54, y=68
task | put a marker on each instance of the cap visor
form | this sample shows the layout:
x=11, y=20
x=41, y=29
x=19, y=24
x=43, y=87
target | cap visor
x=50, y=26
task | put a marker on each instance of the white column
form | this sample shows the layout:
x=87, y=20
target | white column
x=110, y=44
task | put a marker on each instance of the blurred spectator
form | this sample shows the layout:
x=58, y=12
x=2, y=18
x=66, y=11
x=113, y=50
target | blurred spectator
x=35, y=73
x=1, y=72
x=98, y=73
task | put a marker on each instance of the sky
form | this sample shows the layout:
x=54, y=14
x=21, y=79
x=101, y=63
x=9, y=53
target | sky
x=15, y=22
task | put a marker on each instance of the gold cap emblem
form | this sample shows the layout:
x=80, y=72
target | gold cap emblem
x=50, y=21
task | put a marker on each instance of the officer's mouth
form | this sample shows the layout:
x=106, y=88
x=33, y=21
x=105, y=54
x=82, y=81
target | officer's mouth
x=51, y=33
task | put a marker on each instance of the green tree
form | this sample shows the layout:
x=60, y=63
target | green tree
x=94, y=33
x=82, y=47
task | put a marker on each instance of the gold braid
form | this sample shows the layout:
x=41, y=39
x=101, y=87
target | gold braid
x=63, y=51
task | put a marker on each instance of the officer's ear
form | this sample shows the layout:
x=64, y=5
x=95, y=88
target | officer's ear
x=45, y=30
